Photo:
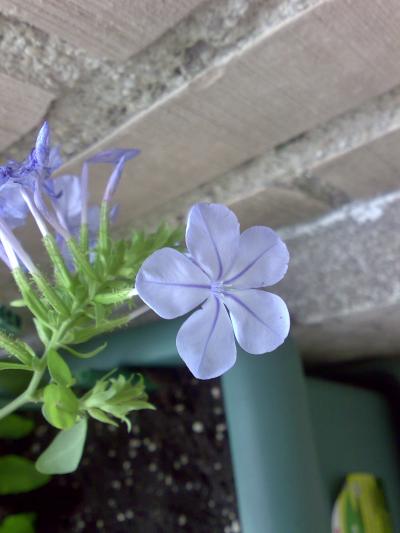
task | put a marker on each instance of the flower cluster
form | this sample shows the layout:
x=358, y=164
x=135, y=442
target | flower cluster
x=61, y=203
x=221, y=277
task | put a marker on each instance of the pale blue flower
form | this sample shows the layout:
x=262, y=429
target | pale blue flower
x=224, y=274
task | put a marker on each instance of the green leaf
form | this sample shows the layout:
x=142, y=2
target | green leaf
x=4, y=365
x=15, y=427
x=59, y=370
x=18, y=474
x=60, y=406
x=18, y=303
x=85, y=355
x=18, y=523
x=65, y=452
x=17, y=348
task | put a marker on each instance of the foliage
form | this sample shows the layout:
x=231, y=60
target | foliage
x=78, y=304
x=15, y=427
x=18, y=523
x=18, y=474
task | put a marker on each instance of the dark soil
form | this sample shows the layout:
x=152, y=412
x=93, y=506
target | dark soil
x=171, y=473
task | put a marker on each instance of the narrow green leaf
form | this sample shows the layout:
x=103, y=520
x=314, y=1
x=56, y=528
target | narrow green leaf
x=17, y=348
x=13, y=366
x=15, y=427
x=115, y=297
x=18, y=474
x=85, y=355
x=18, y=523
x=65, y=452
x=60, y=406
x=59, y=370
x=18, y=303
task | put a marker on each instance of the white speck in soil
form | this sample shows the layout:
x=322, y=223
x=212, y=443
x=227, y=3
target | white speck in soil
x=182, y=520
x=132, y=454
x=116, y=484
x=220, y=427
x=218, y=411
x=189, y=486
x=184, y=459
x=41, y=430
x=126, y=465
x=217, y=466
x=216, y=393
x=152, y=467
x=152, y=447
x=198, y=427
x=179, y=408
x=168, y=480
x=120, y=517
x=235, y=527
x=111, y=503
x=35, y=448
x=129, y=514
x=100, y=524
x=135, y=443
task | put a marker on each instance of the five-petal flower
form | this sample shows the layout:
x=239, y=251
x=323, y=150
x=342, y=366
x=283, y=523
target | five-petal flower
x=223, y=273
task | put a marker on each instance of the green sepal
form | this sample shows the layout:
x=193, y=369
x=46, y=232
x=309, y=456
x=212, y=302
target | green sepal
x=17, y=348
x=32, y=301
x=51, y=295
x=65, y=451
x=103, y=242
x=61, y=271
x=59, y=370
x=84, y=238
x=81, y=262
x=85, y=355
x=60, y=406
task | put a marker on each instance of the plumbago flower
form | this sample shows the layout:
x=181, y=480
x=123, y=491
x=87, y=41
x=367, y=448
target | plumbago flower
x=223, y=273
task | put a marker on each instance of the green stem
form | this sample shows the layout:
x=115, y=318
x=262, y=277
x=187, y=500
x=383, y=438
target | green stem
x=28, y=395
x=25, y=397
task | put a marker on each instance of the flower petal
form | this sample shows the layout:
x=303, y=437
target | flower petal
x=206, y=342
x=68, y=191
x=212, y=238
x=260, y=319
x=171, y=284
x=262, y=259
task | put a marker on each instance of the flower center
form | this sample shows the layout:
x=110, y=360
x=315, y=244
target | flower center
x=217, y=287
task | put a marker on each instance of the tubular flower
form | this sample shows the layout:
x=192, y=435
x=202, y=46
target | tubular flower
x=223, y=274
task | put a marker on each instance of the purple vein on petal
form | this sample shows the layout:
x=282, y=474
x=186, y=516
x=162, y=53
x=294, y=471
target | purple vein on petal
x=172, y=284
x=214, y=245
x=250, y=311
x=251, y=264
x=212, y=329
